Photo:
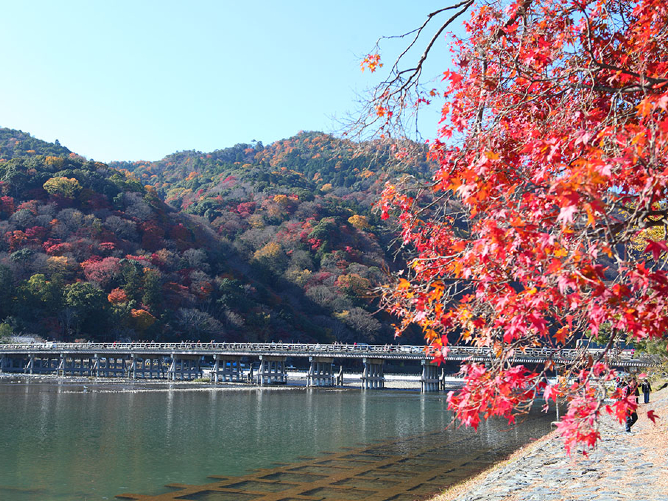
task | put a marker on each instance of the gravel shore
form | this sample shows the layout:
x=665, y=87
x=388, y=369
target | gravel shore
x=624, y=466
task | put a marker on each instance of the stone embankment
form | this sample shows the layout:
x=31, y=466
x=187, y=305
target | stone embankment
x=624, y=466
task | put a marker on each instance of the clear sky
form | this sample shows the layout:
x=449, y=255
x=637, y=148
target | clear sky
x=139, y=79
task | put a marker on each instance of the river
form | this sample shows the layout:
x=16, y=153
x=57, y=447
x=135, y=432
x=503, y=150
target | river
x=66, y=441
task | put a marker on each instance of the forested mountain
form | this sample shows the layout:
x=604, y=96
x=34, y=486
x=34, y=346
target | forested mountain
x=14, y=143
x=246, y=243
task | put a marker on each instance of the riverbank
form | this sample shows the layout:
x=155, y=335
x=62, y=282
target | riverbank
x=624, y=466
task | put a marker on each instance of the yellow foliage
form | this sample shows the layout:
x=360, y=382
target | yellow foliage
x=270, y=251
x=57, y=161
x=326, y=187
x=58, y=264
x=341, y=315
x=64, y=186
x=299, y=277
x=256, y=221
x=644, y=236
x=359, y=222
x=281, y=200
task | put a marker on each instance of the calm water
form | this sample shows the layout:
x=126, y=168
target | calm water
x=64, y=442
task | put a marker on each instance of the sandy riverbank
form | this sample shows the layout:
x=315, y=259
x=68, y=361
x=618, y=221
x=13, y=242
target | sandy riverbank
x=624, y=466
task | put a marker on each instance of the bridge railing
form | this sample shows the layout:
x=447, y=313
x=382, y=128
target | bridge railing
x=214, y=347
x=355, y=349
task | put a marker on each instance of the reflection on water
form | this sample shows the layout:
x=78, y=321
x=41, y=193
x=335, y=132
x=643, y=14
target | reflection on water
x=394, y=470
x=62, y=443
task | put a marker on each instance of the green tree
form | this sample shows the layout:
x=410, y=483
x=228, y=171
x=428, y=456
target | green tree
x=39, y=296
x=6, y=291
x=85, y=304
x=6, y=331
x=152, y=296
x=132, y=279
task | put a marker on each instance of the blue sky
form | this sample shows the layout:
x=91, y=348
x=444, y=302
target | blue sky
x=137, y=80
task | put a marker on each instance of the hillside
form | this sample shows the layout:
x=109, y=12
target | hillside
x=247, y=243
x=15, y=143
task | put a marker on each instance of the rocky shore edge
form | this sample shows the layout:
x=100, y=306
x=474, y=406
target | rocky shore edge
x=624, y=466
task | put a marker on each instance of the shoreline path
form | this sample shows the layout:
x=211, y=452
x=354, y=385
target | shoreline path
x=624, y=466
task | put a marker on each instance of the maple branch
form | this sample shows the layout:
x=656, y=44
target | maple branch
x=612, y=67
x=417, y=70
x=418, y=32
x=384, y=109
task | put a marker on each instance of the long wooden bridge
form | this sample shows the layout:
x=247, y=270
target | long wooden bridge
x=223, y=361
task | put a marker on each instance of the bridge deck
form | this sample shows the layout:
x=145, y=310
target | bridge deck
x=301, y=350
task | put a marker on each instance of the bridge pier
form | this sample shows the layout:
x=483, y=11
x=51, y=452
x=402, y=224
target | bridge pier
x=75, y=365
x=60, y=371
x=7, y=364
x=272, y=370
x=132, y=370
x=226, y=369
x=150, y=367
x=14, y=364
x=111, y=366
x=145, y=367
x=29, y=366
x=184, y=367
x=373, y=377
x=321, y=372
x=41, y=364
x=87, y=363
x=429, y=381
x=95, y=366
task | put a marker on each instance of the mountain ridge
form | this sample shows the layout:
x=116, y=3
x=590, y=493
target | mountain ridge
x=251, y=242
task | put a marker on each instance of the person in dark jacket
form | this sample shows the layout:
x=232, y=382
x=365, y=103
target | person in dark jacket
x=646, y=389
x=631, y=389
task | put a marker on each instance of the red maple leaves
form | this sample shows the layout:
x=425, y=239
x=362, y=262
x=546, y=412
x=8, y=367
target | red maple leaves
x=552, y=167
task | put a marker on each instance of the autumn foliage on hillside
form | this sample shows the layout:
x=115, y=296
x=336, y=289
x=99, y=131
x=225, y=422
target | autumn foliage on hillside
x=299, y=214
x=86, y=251
x=254, y=243
x=545, y=220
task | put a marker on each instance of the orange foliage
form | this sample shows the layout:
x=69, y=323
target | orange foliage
x=117, y=296
x=142, y=319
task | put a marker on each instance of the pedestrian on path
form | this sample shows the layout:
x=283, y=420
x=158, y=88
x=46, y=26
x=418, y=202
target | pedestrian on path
x=646, y=389
x=631, y=390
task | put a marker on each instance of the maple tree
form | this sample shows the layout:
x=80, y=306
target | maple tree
x=552, y=168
